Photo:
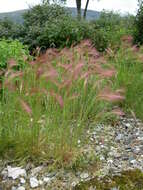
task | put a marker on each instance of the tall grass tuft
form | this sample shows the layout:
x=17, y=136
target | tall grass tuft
x=128, y=61
x=46, y=107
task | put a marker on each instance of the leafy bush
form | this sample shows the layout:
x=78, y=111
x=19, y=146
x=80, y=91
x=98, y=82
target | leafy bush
x=12, y=50
x=109, y=28
x=62, y=32
x=11, y=30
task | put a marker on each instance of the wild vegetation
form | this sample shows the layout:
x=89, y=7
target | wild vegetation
x=60, y=74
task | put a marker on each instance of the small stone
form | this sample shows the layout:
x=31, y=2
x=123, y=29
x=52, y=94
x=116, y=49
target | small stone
x=119, y=137
x=22, y=180
x=13, y=188
x=110, y=161
x=47, y=179
x=4, y=173
x=128, y=125
x=114, y=188
x=98, y=148
x=36, y=170
x=140, y=138
x=78, y=141
x=21, y=188
x=136, y=150
x=40, y=182
x=16, y=172
x=117, y=155
x=34, y=182
x=92, y=139
x=51, y=175
x=84, y=175
x=134, y=162
x=102, y=158
x=74, y=184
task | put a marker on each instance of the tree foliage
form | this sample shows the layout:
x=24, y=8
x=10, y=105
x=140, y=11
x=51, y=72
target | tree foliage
x=138, y=33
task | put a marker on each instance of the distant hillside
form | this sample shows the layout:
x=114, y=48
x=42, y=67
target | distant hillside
x=16, y=16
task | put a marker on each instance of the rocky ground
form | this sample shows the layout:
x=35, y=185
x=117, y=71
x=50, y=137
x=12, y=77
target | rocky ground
x=115, y=148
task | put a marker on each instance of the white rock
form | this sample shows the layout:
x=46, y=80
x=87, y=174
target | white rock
x=134, y=162
x=13, y=188
x=102, y=158
x=36, y=170
x=40, y=182
x=16, y=172
x=21, y=188
x=78, y=142
x=22, y=180
x=74, y=184
x=110, y=161
x=47, y=179
x=128, y=125
x=34, y=182
x=84, y=175
x=4, y=173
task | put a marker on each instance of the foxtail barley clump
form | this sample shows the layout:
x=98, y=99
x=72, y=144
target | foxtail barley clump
x=46, y=106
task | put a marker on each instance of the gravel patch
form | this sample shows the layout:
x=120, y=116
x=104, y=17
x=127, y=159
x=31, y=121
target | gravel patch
x=117, y=148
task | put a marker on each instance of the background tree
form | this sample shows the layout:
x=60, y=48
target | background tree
x=138, y=32
x=78, y=5
x=85, y=10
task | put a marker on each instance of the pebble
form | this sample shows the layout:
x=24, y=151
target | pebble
x=47, y=179
x=84, y=175
x=34, y=182
x=16, y=172
x=22, y=180
x=35, y=171
x=117, y=148
x=21, y=188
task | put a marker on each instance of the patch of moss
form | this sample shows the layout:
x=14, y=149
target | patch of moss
x=128, y=180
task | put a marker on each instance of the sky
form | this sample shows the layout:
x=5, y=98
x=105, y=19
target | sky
x=124, y=6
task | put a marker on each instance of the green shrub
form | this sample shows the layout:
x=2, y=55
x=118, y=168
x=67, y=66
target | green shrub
x=138, y=31
x=62, y=32
x=12, y=50
x=108, y=30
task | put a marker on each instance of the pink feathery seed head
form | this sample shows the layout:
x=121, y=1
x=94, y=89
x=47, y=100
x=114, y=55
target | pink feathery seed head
x=39, y=72
x=86, y=43
x=65, y=84
x=135, y=48
x=85, y=75
x=118, y=112
x=108, y=95
x=107, y=73
x=66, y=66
x=101, y=60
x=50, y=74
x=10, y=86
x=140, y=57
x=74, y=96
x=127, y=38
x=110, y=52
x=12, y=63
x=26, y=107
x=15, y=74
x=77, y=69
x=32, y=63
x=58, y=98
x=94, y=53
x=34, y=91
